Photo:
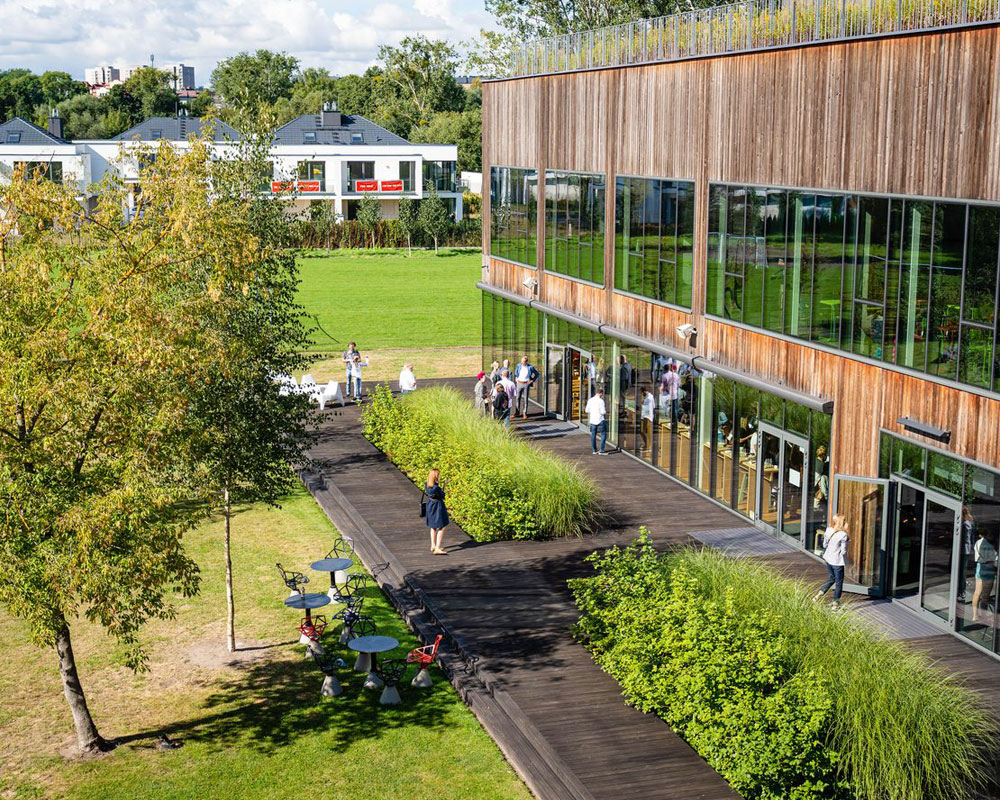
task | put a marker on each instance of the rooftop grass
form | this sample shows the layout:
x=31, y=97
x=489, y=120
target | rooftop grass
x=252, y=724
x=497, y=486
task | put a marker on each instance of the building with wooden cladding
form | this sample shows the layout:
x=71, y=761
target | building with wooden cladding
x=825, y=215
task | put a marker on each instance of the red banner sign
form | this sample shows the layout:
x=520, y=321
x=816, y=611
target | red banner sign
x=366, y=186
x=392, y=186
x=287, y=187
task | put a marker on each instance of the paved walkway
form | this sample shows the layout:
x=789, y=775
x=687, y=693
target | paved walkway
x=507, y=612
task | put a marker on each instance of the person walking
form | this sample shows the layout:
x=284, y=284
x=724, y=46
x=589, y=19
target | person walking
x=835, y=541
x=597, y=416
x=985, y=554
x=646, y=420
x=349, y=353
x=670, y=384
x=482, y=392
x=407, y=380
x=437, y=514
x=524, y=378
x=356, y=366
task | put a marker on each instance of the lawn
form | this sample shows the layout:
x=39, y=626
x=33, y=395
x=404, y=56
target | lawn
x=252, y=725
x=386, y=299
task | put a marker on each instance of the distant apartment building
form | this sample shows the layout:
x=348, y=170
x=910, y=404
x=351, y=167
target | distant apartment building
x=327, y=158
x=182, y=76
x=101, y=75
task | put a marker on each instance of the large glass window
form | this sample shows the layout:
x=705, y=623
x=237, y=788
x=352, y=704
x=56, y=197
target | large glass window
x=514, y=209
x=908, y=282
x=574, y=224
x=443, y=175
x=654, y=228
x=407, y=171
x=313, y=172
x=47, y=169
x=359, y=171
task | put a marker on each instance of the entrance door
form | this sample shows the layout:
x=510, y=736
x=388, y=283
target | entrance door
x=577, y=391
x=864, y=503
x=782, y=482
x=555, y=361
x=928, y=540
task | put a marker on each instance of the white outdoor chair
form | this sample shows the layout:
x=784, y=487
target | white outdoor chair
x=287, y=385
x=308, y=385
x=328, y=394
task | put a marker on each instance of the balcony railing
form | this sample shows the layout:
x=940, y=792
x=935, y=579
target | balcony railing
x=744, y=27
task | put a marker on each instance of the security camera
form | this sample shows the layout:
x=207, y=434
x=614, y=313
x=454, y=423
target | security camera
x=686, y=331
x=530, y=284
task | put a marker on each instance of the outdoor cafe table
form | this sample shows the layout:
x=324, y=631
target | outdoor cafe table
x=368, y=648
x=333, y=566
x=307, y=602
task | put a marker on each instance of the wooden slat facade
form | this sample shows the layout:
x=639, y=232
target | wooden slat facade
x=911, y=115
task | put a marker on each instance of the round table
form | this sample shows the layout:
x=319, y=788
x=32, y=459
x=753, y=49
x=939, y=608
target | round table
x=368, y=648
x=336, y=567
x=307, y=602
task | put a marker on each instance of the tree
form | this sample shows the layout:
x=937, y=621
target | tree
x=110, y=311
x=417, y=80
x=408, y=220
x=433, y=215
x=84, y=117
x=246, y=433
x=59, y=86
x=463, y=128
x=202, y=105
x=248, y=80
x=369, y=214
x=152, y=91
x=355, y=93
x=20, y=92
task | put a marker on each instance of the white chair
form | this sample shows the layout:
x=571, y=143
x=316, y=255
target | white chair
x=287, y=385
x=328, y=394
x=308, y=385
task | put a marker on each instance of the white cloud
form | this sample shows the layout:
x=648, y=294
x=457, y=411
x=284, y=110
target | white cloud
x=341, y=36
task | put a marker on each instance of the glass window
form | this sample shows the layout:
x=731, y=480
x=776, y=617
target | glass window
x=914, y=279
x=798, y=274
x=13, y=137
x=359, y=171
x=407, y=174
x=754, y=253
x=442, y=175
x=828, y=268
x=514, y=208
x=982, y=247
x=718, y=209
x=946, y=289
x=574, y=224
x=774, y=214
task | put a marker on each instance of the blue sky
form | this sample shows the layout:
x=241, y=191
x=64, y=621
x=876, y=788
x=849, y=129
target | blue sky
x=342, y=36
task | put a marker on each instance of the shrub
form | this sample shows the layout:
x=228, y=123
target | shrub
x=497, y=487
x=784, y=698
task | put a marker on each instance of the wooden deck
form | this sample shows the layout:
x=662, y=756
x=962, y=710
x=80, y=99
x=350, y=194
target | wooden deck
x=506, y=613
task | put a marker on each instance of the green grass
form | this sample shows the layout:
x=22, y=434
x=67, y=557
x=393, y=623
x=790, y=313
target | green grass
x=255, y=729
x=386, y=299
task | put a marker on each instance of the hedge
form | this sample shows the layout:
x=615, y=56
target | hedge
x=310, y=233
x=784, y=698
x=497, y=486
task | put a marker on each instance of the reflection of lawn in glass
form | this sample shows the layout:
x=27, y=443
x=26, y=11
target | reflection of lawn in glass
x=569, y=258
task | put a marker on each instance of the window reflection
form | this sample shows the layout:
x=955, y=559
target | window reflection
x=907, y=282
x=514, y=214
x=574, y=224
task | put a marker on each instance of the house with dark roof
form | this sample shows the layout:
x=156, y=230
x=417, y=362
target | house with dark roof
x=328, y=158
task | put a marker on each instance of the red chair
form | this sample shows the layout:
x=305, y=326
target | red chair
x=423, y=657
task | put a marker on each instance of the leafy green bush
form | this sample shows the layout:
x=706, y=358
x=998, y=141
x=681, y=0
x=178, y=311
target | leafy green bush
x=498, y=487
x=784, y=698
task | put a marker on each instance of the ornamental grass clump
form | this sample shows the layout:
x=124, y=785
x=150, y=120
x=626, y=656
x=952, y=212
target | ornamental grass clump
x=497, y=486
x=784, y=698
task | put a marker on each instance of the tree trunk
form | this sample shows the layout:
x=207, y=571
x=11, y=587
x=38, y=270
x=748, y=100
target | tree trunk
x=435, y=245
x=89, y=740
x=409, y=247
x=230, y=610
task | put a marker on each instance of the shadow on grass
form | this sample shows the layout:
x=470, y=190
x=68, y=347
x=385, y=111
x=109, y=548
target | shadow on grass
x=271, y=704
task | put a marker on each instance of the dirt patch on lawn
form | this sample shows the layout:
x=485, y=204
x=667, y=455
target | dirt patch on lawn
x=212, y=654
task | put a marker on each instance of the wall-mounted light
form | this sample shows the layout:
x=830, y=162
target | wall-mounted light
x=923, y=429
x=688, y=332
x=531, y=284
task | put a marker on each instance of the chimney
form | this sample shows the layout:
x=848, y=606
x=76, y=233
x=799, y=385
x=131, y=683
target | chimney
x=330, y=116
x=55, y=123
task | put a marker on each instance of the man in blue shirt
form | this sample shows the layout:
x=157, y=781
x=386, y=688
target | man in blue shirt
x=349, y=354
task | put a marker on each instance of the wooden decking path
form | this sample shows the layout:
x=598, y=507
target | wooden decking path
x=560, y=720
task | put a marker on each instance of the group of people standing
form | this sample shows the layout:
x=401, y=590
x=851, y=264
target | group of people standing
x=354, y=363
x=503, y=391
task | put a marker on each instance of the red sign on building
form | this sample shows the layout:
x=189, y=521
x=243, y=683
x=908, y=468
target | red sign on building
x=366, y=186
x=308, y=186
x=392, y=186
x=282, y=187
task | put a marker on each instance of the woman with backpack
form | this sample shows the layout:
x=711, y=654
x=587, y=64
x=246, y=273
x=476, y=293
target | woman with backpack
x=436, y=514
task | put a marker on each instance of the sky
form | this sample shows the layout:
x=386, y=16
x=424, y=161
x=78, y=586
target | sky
x=341, y=35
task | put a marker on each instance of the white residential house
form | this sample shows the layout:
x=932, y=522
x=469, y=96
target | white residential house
x=329, y=158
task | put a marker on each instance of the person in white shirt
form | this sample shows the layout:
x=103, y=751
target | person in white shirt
x=835, y=541
x=356, y=366
x=646, y=421
x=524, y=378
x=597, y=414
x=407, y=380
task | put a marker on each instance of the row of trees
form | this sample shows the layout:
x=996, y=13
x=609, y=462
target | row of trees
x=145, y=94
x=137, y=394
x=429, y=216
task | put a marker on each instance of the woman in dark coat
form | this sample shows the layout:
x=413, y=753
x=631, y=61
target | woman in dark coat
x=437, y=514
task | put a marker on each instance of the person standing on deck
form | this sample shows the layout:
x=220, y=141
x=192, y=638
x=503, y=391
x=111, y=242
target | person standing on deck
x=348, y=358
x=407, y=380
x=834, y=554
x=524, y=378
x=597, y=413
x=437, y=514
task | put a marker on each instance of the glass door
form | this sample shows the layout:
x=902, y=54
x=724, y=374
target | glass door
x=782, y=464
x=555, y=358
x=863, y=502
x=942, y=519
x=573, y=409
x=909, y=528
